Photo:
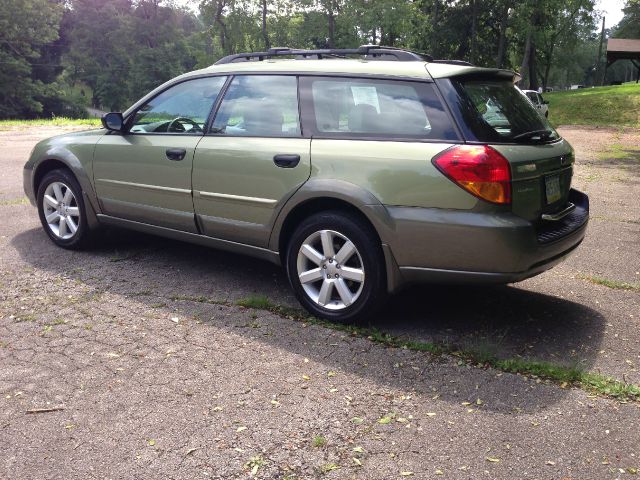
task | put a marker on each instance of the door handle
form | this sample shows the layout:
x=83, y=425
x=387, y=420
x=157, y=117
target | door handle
x=286, y=161
x=176, y=154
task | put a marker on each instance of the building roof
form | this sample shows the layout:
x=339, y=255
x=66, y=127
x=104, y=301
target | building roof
x=623, y=48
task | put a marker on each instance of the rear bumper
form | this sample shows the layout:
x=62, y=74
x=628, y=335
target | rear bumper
x=449, y=246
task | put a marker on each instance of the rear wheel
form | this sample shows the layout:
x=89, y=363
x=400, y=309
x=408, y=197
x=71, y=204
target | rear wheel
x=336, y=267
x=61, y=209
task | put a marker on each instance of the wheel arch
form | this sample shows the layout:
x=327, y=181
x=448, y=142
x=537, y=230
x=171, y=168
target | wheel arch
x=50, y=164
x=323, y=195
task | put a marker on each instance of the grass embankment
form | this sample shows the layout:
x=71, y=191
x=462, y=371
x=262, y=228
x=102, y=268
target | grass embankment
x=52, y=122
x=613, y=106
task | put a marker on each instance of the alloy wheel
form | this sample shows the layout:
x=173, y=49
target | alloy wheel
x=61, y=210
x=330, y=269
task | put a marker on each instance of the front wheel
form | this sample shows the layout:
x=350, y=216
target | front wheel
x=61, y=209
x=336, y=266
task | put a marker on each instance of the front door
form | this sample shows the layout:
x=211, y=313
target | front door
x=253, y=160
x=145, y=174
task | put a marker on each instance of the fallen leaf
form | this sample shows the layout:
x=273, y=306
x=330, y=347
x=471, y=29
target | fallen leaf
x=357, y=420
x=406, y=474
x=356, y=461
x=439, y=472
x=306, y=377
x=549, y=462
x=385, y=420
x=492, y=459
x=241, y=429
x=151, y=442
x=358, y=449
x=431, y=414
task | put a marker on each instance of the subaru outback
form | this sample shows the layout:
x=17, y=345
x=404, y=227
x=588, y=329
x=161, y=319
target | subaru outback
x=358, y=170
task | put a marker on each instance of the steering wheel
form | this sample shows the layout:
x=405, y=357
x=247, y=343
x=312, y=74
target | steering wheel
x=176, y=125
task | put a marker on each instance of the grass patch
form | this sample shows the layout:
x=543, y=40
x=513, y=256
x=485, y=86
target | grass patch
x=319, y=441
x=259, y=302
x=618, y=151
x=616, y=285
x=614, y=106
x=481, y=357
x=15, y=201
x=52, y=122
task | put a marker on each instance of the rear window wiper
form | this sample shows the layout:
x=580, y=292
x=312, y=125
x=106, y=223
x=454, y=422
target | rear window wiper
x=534, y=133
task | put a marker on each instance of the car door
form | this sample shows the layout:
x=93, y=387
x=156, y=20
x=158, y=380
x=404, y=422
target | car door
x=145, y=173
x=253, y=160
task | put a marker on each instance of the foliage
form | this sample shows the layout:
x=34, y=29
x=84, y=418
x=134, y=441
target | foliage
x=60, y=56
x=629, y=26
x=21, y=23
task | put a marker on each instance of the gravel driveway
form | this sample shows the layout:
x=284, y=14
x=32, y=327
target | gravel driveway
x=131, y=360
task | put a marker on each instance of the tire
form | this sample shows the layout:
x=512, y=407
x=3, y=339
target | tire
x=62, y=211
x=319, y=280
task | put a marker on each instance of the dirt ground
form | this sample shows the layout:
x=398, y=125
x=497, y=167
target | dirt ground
x=140, y=383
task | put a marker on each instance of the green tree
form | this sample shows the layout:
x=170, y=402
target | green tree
x=25, y=26
x=629, y=26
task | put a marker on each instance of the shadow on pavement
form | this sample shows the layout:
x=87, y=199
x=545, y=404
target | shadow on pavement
x=504, y=321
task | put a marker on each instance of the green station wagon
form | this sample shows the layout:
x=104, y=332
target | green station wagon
x=360, y=171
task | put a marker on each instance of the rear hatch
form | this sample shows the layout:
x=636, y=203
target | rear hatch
x=490, y=110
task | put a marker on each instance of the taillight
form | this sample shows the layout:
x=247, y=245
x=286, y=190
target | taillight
x=479, y=169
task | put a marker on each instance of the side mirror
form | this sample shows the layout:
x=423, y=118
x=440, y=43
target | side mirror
x=113, y=121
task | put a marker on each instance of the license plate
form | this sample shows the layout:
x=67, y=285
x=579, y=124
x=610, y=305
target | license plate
x=553, y=188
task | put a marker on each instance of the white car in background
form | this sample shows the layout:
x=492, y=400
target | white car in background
x=542, y=105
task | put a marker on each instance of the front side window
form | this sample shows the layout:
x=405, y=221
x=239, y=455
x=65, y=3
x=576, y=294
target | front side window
x=377, y=108
x=259, y=106
x=183, y=108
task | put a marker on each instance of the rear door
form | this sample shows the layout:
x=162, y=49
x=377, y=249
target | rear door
x=541, y=161
x=252, y=161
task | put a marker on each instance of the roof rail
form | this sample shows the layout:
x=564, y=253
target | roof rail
x=370, y=52
x=454, y=62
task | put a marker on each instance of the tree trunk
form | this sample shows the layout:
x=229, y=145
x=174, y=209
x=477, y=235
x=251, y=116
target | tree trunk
x=265, y=35
x=524, y=68
x=223, y=28
x=474, y=31
x=332, y=28
x=502, y=38
x=547, y=68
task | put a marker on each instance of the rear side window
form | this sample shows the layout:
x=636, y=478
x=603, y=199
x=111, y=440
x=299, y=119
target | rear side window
x=358, y=107
x=497, y=111
x=259, y=106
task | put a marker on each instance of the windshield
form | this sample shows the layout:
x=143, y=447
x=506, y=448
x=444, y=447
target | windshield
x=497, y=111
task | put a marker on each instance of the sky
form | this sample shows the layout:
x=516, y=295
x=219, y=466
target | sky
x=612, y=10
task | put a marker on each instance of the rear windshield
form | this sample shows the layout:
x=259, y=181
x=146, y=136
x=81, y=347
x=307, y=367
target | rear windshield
x=497, y=111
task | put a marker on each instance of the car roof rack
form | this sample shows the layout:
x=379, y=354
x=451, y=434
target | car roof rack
x=370, y=52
